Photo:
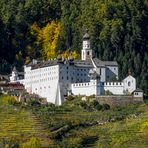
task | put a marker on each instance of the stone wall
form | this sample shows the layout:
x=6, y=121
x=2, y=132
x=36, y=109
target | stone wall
x=119, y=100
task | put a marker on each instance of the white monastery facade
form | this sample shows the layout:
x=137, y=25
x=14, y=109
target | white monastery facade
x=54, y=79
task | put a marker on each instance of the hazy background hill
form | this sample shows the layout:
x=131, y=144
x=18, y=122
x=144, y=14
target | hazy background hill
x=39, y=28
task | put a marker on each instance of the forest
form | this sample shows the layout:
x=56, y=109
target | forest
x=39, y=29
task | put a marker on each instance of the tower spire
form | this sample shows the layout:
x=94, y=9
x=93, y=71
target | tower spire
x=86, y=52
x=129, y=72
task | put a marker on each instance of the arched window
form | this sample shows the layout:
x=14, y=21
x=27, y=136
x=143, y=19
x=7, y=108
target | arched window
x=129, y=83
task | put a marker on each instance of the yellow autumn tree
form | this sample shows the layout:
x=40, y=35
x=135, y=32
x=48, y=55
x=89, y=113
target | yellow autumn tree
x=67, y=53
x=76, y=55
x=47, y=37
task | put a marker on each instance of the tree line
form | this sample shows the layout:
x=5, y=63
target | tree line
x=39, y=29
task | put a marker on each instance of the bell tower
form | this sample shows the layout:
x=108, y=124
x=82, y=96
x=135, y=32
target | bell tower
x=86, y=52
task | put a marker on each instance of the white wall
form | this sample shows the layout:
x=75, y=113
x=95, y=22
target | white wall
x=43, y=81
x=27, y=78
x=116, y=88
x=86, y=54
x=138, y=94
x=86, y=44
x=129, y=84
x=86, y=89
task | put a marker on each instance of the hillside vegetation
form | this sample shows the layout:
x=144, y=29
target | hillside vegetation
x=74, y=124
x=19, y=125
x=39, y=29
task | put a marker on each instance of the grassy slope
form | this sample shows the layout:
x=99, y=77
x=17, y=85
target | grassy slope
x=76, y=127
x=19, y=124
x=71, y=126
x=130, y=132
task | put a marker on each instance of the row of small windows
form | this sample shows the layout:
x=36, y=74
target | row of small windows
x=67, y=78
x=136, y=93
x=35, y=76
x=87, y=46
x=42, y=88
x=80, y=80
x=81, y=69
x=81, y=74
x=44, y=69
x=48, y=79
x=113, y=83
x=43, y=80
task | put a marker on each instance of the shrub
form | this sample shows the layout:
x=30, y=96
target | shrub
x=95, y=105
x=84, y=104
x=34, y=103
x=108, y=92
x=89, y=140
x=98, y=107
x=70, y=98
x=105, y=107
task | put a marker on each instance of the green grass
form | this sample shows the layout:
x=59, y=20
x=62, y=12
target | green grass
x=72, y=126
x=20, y=124
x=129, y=132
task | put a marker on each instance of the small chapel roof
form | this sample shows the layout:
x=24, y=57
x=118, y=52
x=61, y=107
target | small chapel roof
x=138, y=90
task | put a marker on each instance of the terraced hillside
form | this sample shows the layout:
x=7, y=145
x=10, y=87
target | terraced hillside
x=75, y=124
x=21, y=125
x=72, y=125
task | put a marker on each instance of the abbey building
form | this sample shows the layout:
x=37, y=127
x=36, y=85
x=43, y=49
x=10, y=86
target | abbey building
x=55, y=79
